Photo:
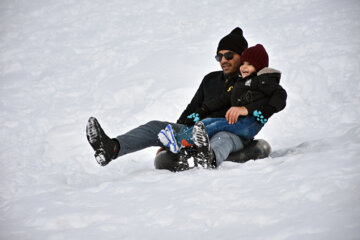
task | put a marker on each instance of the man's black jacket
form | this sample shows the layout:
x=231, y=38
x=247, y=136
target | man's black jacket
x=212, y=86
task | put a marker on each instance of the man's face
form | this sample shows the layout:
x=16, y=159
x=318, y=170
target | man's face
x=230, y=67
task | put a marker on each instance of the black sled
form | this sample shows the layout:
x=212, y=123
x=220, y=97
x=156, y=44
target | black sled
x=256, y=149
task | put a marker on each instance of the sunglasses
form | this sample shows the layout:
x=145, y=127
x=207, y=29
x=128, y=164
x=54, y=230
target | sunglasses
x=227, y=56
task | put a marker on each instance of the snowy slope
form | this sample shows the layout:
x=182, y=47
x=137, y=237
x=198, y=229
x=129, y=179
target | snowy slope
x=123, y=62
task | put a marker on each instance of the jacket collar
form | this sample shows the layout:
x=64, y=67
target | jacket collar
x=268, y=70
x=226, y=77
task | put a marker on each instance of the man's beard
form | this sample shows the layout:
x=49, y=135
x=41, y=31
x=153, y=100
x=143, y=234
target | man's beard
x=230, y=74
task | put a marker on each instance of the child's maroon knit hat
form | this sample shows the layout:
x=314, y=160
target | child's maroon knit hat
x=256, y=56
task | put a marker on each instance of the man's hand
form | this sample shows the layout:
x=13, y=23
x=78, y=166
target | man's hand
x=234, y=113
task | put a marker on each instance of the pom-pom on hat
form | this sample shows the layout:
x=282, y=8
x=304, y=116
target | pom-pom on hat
x=256, y=56
x=234, y=41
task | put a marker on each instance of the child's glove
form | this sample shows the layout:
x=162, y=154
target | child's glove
x=195, y=117
x=191, y=119
x=264, y=114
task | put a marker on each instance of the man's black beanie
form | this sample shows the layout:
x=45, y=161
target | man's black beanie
x=234, y=41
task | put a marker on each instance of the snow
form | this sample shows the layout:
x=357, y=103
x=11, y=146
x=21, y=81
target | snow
x=129, y=62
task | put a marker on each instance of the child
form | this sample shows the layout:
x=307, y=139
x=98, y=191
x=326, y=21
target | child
x=254, y=97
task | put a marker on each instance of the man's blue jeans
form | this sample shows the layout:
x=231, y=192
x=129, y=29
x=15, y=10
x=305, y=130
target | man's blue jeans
x=143, y=136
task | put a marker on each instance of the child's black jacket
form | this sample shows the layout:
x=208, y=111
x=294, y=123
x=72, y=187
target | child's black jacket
x=260, y=91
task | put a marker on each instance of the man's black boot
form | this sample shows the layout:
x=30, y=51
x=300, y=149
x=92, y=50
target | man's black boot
x=105, y=148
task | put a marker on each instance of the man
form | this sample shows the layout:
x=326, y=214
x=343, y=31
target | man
x=223, y=143
x=228, y=55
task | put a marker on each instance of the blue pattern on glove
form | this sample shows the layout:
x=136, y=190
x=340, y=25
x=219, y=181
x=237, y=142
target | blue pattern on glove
x=195, y=116
x=259, y=117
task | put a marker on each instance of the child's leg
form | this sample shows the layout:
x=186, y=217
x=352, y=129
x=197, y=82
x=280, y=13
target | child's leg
x=185, y=132
x=246, y=127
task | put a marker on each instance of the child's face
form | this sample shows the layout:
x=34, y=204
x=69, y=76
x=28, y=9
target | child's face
x=246, y=69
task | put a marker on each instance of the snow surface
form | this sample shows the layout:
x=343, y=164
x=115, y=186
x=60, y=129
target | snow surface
x=128, y=62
